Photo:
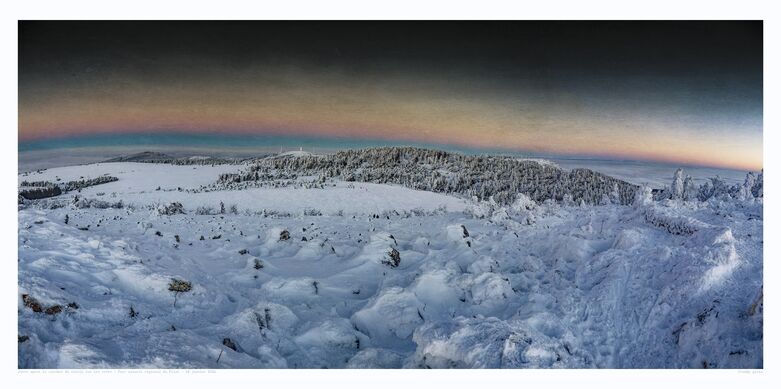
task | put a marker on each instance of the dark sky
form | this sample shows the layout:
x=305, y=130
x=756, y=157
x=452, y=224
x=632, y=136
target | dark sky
x=496, y=49
x=542, y=82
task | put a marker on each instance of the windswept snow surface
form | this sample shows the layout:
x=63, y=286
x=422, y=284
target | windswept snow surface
x=668, y=284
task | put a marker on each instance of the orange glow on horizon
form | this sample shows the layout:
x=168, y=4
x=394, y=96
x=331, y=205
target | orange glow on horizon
x=394, y=110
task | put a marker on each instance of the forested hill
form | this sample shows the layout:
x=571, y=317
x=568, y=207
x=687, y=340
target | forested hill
x=438, y=171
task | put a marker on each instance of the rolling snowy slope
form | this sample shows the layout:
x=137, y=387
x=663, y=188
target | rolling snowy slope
x=358, y=275
x=139, y=182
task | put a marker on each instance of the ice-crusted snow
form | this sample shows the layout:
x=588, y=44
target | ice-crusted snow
x=658, y=284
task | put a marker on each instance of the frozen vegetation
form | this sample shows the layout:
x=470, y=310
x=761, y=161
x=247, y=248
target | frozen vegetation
x=387, y=258
x=480, y=177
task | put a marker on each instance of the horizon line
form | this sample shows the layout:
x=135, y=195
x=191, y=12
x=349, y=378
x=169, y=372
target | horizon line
x=235, y=142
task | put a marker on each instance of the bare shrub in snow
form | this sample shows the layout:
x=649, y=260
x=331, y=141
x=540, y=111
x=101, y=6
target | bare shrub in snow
x=179, y=286
x=393, y=258
x=227, y=342
x=32, y=303
x=53, y=310
x=37, y=307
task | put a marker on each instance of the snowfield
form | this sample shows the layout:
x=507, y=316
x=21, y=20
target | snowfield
x=362, y=275
x=139, y=182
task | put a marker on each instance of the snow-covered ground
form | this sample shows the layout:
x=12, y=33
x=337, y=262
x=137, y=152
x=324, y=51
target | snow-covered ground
x=139, y=182
x=398, y=278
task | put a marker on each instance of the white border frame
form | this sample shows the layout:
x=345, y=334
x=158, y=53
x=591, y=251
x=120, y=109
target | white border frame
x=398, y=9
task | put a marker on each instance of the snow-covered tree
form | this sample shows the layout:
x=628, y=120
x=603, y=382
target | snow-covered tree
x=605, y=199
x=643, y=196
x=690, y=190
x=757, y=189
x=615, y=195
x=567, y=200
x=676, y=189
x=746, y=190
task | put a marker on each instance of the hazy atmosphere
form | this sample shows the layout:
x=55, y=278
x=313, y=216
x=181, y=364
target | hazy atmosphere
x=687, y=93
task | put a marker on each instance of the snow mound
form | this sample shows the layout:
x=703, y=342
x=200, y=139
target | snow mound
x=390, y=317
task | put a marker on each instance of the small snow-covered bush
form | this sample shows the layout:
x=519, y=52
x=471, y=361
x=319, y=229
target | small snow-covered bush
x=100, y=204
x=204, y=210
x=500, y=215
x=171, y=209
x=524, y=209
x=312, y=212
x=674, y=224
x=83, y=203
x=480, y=209
x=717, y=188
x=523, y=203
x=49, y=203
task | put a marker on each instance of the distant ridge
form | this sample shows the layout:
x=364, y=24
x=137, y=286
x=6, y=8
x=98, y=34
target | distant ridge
x=144, y=156
x=156, y=157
